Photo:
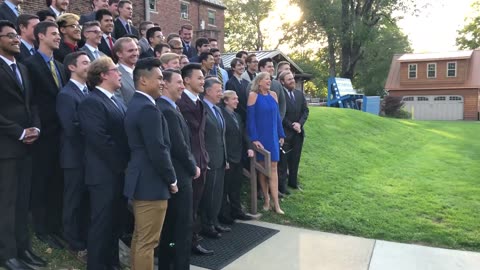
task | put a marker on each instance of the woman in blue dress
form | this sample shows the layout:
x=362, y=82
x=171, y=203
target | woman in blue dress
x=265, y=130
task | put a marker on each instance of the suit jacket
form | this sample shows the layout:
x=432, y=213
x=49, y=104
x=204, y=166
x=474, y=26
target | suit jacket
x=45, y=92
x=276, y=87
x=144, y=45
x=195, y=116
x=87, y=17
x=120, y=31
x=7, y=14
x=246, y=76
x=16, y=111
x=24, y=53
x=104, y=48
x=62, y=51
x=297, y=111
x=72, y=145
x=90, y=54
x=106, y=146
x=215, y=140
x=236, y=139
x=150, y=171
x=147, y=53
x=127, y=89
x=190, y=52
x=241, y=89
x=180, y=150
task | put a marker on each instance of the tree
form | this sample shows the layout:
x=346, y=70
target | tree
x=242, y=24
x=314, y=63
x=469, y=36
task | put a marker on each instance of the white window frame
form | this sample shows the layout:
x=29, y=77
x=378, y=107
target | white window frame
x=435, y=70
x=155, y=7
x=187, y=4
x=416, y=71
x=214, y=18
x=455, y=62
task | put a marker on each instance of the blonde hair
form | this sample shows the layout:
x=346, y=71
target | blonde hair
x=167, y=57
x=260, y=76
x=228, y=94
x=96, y=68
x=67, y=18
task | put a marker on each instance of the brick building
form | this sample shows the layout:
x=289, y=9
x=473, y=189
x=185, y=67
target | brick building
x=206, y=16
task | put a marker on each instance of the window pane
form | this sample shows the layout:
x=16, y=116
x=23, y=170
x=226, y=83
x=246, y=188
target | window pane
x=211, y=17
x=153, y=4
x=184, y=11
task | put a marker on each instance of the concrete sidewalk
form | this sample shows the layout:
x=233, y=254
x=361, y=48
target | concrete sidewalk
x=302, y=249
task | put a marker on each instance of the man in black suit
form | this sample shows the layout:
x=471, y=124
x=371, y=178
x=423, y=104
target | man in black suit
x=193, y=111
x=19, y=128
x=295, y=117
x=186, y=34
x=97, y=5
x=178, y=222
x=70, y=32
x=26, y=24
x=106, y=25
x=101, y=118
x=72, y=153
x=154, y=37
x=9, y=10
x=47, y=186
x=239, y=85
x=58, y=7
x=201, y=46
x=215, y=145
x=123, y=25
x=150, y=176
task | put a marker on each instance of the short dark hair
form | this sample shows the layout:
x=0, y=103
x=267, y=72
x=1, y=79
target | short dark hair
x=189, y=68
x=89, y=25
x=250, y=57
x=158, y=48
x=235, y=62
x=102, y=12
x=5, y=23
x=41, y=28
x=263, y=62
x=209, y=82
x=111, y=2
x=200, y=42
x=214, y=50
x=143, y=67
x=151, y=32
x=167, y=74
x=43, y=14
x=23, y=20
x=123, y=2
x=143, y=26
x=71, y=59
x=204, y=56
x=241, y=53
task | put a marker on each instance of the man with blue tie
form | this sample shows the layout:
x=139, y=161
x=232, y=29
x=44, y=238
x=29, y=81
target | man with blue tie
x=93, y=37
x=25, y=24
x=72, y=152
x=10, y=10
x=150, y=176
x=122, y=24
x=101, y=117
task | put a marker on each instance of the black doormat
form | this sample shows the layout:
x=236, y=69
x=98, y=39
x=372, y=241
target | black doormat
x=232, y=245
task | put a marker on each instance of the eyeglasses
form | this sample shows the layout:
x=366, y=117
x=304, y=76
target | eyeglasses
x=177, y=48
x=97, y=32
x=74, y=26
x=113, y=69
x=11, y=35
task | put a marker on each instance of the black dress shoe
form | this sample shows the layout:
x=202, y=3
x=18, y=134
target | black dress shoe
x=221, y=228
x=199, y=250
x=226, y=220
x=15, y=264
x=243, y=216
x=50, y=241
x=210, y=233
x=27, y=256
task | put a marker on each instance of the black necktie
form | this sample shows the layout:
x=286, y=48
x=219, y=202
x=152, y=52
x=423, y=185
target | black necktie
x=32, y=51
x=292, y=97
x=119, y=104
x=234, y=117
x=14, y=69
x=217, y=115
x=127, y=26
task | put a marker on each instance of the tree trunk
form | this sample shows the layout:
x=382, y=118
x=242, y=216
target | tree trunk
x=331, y=56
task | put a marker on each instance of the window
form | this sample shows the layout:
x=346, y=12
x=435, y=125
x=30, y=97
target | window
x=422, y=98
x=452, y=69
x=431, y=70
x=408, y=99
x=184, y=10
x=153, y=5
x=412, y=71
x=211, y=17
x=455, y=98
x=439, y=99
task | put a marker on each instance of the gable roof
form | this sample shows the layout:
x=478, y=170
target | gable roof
x=409, y=57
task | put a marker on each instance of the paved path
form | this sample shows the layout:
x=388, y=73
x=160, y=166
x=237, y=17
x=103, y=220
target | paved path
x=302, y=249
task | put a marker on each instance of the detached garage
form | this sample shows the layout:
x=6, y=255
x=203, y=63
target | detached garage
x=437, y=86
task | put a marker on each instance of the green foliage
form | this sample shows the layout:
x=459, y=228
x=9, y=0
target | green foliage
x=382, y=178
x=315, y=64
x=469, y=36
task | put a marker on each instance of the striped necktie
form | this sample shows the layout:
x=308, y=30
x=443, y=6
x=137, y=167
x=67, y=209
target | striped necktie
x=220, y=76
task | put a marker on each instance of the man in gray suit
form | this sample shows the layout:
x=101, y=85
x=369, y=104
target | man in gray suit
x=126, y=50
x=93, y=38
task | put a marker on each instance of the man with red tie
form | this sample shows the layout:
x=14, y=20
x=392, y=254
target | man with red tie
x=105, y=18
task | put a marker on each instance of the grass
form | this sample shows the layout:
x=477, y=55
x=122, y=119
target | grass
x=398, y=180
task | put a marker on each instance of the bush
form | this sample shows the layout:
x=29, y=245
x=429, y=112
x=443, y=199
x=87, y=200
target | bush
x=392, y=107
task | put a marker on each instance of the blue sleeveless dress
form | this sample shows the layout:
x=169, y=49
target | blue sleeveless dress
x=264, y=125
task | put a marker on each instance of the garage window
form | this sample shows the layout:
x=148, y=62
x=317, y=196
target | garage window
x=455, y=98
x=452, y=69
x=439, y=98
x=432, y=70
x=412, y=71
x=422, y=98
x=408, y=99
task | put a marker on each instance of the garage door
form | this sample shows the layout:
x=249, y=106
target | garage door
x=435, y=107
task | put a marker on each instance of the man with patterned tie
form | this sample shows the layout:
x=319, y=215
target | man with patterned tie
x=47, y=185
x=93, y=37
x=72, y=149
x=217, y=70
x=106, y=157
x=25, y=24
x=105, y=18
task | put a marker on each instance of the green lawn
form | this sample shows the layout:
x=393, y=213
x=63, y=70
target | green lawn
x=397, y=180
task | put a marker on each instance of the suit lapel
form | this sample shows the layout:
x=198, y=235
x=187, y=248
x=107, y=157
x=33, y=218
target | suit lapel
x=125, y=73
x=9, y=71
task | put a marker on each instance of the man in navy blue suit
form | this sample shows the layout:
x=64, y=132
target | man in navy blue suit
x=101, y=117
x=150, y=176
x=72, y=152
